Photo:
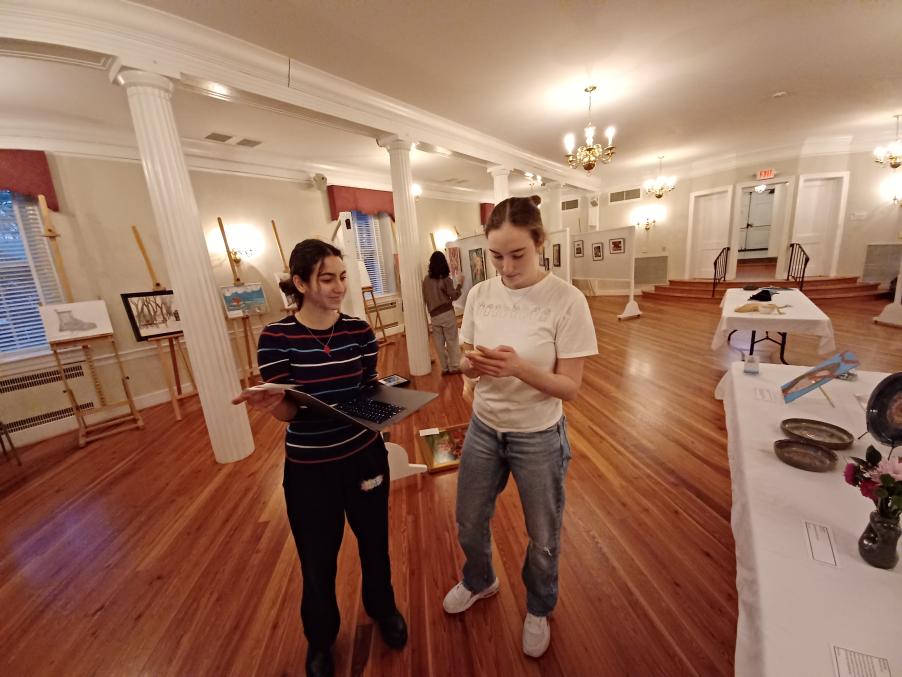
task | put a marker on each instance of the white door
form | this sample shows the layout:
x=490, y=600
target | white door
x=819, y=219
x=709, y=224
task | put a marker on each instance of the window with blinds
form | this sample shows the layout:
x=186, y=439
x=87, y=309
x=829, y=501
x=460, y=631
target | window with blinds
x=369, y=247
x=27, y=275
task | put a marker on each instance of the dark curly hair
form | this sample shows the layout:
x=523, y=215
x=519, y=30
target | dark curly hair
x=522, y=212
x=438, y=266
x=305, y=260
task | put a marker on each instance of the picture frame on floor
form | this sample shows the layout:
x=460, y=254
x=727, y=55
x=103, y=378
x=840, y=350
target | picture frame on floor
x=442, y=447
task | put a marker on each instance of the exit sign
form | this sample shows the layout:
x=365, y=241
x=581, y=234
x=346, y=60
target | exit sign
x=766, y=174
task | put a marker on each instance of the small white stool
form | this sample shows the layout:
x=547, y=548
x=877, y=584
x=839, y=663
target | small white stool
x=398, y=464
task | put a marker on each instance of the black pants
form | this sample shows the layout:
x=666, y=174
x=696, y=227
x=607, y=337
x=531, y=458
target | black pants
x=318, y=496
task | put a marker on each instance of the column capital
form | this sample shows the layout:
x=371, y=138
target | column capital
x=395, y=142
x=136, y=78
x=498, y=170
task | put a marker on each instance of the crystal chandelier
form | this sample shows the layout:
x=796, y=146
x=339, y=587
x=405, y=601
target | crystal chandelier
x=592, y=153
x=891, y=155
x=662, y=184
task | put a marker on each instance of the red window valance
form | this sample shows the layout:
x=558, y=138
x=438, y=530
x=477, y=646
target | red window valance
x=346, y=199
x=485, y=208
x=28, y=173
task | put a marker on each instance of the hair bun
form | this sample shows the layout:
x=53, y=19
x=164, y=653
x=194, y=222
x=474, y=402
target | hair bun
x=535, y=199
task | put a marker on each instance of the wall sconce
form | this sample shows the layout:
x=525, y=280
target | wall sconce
x=443, y=236
x=647, y=217
x=416, y=190
x=891, y=188
x=245, y=242
x=647, y=224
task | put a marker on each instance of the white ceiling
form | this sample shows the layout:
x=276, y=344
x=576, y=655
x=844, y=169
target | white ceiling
x=687, y=79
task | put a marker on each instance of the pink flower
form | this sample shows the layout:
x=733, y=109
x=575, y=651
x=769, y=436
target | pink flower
x=849, y=473
x=867, y=488
x=891, y=467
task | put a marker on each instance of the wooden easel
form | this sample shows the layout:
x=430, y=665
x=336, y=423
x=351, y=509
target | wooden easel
x=249, y=371
x=285, y=268
x=88, y=432
x=171, y=369
x=371, y=307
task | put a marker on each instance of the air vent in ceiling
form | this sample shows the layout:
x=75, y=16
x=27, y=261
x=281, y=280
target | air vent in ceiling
x=625, y=195
x=569, y=204
x=216, y=136
x=250, y=143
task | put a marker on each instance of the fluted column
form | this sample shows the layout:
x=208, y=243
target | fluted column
x=188, y=263
x=554, y=217
x=501, y=182
x=408, y=254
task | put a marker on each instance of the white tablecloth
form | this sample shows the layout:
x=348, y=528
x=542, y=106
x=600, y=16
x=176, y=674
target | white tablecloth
x=793, y=610
x=802, y=317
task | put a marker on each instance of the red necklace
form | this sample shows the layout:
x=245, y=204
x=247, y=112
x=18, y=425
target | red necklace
x=325, y=346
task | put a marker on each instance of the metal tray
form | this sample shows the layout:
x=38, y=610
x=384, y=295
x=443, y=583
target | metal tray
x=805, y=456
x=820, y=433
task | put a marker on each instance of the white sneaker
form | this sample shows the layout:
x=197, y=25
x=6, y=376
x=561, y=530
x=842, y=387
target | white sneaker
x=459, y=598
x=536, y=635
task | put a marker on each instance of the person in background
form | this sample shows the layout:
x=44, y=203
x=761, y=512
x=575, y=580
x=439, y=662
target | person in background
x=332, y=469
x=531, y=331
x=438, y=292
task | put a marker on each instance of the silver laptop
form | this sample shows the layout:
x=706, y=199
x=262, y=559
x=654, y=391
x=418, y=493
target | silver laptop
x=377, y=408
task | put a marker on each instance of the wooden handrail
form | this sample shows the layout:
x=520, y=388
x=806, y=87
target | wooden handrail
x=720, y=269
x=798, y=262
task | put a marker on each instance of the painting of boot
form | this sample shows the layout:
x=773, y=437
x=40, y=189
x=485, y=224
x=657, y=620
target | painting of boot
x=70, y=321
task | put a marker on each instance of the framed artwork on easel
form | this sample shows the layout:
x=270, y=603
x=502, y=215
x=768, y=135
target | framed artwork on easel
x=244, y=299
x=72, y=321
x=153, y=314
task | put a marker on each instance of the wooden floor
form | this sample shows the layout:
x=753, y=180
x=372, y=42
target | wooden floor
x=139, y=555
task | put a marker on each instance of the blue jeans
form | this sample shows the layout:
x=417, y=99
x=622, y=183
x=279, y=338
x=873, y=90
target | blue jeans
x=538, y=462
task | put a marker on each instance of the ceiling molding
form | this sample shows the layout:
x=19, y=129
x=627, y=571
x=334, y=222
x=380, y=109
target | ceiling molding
x=140, y=37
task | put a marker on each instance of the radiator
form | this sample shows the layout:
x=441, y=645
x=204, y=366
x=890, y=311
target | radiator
x=36, y=398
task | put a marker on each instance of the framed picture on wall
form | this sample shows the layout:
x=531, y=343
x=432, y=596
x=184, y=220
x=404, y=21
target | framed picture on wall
x=556, y=255
x=598, y=251
x=617, y=245
x=578, y=248
x=152, y=314
x=453, y=254
x=477, y=265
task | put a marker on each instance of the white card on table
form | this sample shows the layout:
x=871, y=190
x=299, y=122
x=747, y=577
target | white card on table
x=850, y=663
x=820, y=543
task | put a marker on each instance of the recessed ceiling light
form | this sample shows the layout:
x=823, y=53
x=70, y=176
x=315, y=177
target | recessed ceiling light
x=779, y=95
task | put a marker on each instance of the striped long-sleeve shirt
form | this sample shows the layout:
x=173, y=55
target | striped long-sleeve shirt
x=289, y=352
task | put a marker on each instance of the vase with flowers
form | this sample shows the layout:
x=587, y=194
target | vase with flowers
x=880, y=480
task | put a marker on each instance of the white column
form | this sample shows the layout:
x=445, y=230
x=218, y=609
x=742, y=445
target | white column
x=408, y=254
x=555, y=217
x=188, y=263
x=501, y=181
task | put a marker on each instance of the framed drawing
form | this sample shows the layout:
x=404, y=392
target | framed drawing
x=617, y=245
x=477, y=265
x=598, y=251
x=287, y=304
x=70, y=321
x=152, y=314
x=442, y=446
x=453, y=254
x=243, y=299
x=556, y=255
x=578, y=248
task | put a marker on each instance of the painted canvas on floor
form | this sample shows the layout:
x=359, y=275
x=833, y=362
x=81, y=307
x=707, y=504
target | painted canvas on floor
x=81, y=320
x=244, y=299
x=442, y=447
x=153, y=314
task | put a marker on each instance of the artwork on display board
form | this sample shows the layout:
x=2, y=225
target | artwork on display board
x=287, y=304
x=153, y=314
x=598, y=251
x=546, y=264
x=556, y=255
x=578, y=248
x=617, y=245
x=477, y=265
x=818, y=375
x=442, y=447
x=244, y=299
x=71, y=321
x=453, y=255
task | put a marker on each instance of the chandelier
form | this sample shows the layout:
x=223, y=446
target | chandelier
x=591, y=153
x=662, y=184
x=891, y=155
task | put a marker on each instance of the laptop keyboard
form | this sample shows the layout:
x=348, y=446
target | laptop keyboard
x=370, y=410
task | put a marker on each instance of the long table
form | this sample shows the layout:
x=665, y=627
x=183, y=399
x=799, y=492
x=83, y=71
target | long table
x=801, y=317
x=808, y=603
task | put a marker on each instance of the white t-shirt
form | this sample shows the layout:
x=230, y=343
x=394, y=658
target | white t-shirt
x=544, y=322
